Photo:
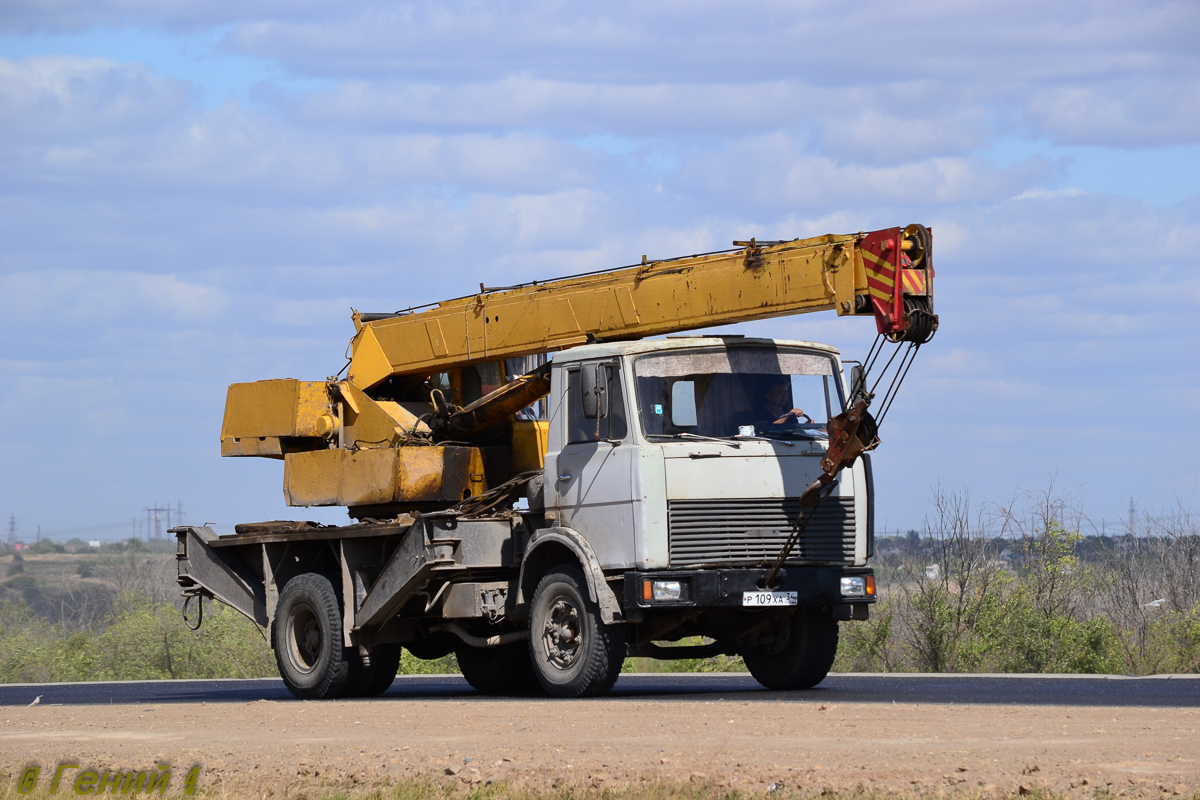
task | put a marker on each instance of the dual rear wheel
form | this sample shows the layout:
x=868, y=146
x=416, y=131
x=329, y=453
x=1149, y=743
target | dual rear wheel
x=309, y=651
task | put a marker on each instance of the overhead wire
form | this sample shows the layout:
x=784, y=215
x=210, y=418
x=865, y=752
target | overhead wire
x=902, y=372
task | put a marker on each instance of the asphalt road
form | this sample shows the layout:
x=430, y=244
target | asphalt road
x=1174, y=691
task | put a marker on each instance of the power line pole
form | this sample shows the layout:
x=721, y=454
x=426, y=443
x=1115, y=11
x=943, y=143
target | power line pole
x=154, y=516
x=12, y=528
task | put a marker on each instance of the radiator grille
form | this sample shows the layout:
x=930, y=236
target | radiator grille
x=754, y=531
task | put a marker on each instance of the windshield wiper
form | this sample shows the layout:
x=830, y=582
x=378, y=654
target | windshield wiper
x=686, y=435
x=759, y=438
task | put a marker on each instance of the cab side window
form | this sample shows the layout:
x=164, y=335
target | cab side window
x=610, y=425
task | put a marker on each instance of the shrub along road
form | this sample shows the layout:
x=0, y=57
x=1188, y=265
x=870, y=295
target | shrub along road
x=915, y=734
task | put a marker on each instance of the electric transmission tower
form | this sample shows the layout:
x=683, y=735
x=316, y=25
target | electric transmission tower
x=154, y=519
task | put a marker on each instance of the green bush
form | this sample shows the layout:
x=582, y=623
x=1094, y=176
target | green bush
x=140, y=639
x=962, y=599
x=21, y=583
x=868, y=646
x=411, y=665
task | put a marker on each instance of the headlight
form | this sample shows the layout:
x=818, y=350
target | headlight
x=667, y=590
x=855, y=586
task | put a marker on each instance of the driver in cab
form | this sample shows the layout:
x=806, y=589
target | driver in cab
x=778, y=405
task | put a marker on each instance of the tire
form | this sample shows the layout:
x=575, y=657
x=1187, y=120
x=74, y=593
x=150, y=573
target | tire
x=535, y=493
x=804, y=656
x=374, y=680
x=307, y=636
x=504, y=670
x=574, y=654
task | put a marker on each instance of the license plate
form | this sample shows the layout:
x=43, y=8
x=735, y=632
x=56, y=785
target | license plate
x=769, y=598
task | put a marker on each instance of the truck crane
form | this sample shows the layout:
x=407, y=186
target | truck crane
x=542, y=486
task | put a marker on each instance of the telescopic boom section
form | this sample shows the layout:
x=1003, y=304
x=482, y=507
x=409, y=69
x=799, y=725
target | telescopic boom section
x=886, y=273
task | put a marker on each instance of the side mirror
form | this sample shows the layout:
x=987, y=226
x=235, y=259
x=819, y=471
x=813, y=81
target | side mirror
x=683, y=404
x=594, y=382
x=857, y=381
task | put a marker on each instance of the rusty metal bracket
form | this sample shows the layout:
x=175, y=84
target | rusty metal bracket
x=851, y=433
x=754, y=259
x=498, y=498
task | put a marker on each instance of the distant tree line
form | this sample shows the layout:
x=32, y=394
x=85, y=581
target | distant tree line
x=1020, y=589
x=979, y=588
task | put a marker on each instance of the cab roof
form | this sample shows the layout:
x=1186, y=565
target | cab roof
x=615, y=349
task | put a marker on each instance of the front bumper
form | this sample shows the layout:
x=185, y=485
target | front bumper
x=722, y=588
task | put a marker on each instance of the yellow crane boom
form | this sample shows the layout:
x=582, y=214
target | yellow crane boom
x=654, y=298
x=366, y=442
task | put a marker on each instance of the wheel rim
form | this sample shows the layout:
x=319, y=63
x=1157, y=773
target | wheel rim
x=562, y=633
x=304, y=639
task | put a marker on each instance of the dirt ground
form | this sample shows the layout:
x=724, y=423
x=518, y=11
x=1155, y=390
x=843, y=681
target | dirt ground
x=284, y=749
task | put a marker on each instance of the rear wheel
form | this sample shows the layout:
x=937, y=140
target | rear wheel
x=307, y=636
x=501, y=670
x=374, y=680
x=574, y=653
x=801, y=654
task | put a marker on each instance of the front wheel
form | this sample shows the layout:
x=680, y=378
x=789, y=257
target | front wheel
x=574, y=653
x=801, y=654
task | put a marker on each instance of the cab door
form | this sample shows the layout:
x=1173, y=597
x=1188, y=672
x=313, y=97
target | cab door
x=593, y=480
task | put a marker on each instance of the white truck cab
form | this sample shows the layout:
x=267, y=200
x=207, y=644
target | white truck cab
x=682, y=464
x=688, y=453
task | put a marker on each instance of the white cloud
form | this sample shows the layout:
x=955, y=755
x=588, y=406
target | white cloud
x=1124, y=113
x=59, y=98
x=1043, y=194
x=152, y=243
x=776, y=171
x=105, y=297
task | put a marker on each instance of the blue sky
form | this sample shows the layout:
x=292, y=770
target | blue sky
x=195, y=194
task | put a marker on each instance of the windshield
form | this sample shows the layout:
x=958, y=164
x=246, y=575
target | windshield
x=746, y=391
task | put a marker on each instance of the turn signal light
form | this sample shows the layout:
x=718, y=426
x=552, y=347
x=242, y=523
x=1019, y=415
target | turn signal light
x=870, y=586
x=662, y=591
